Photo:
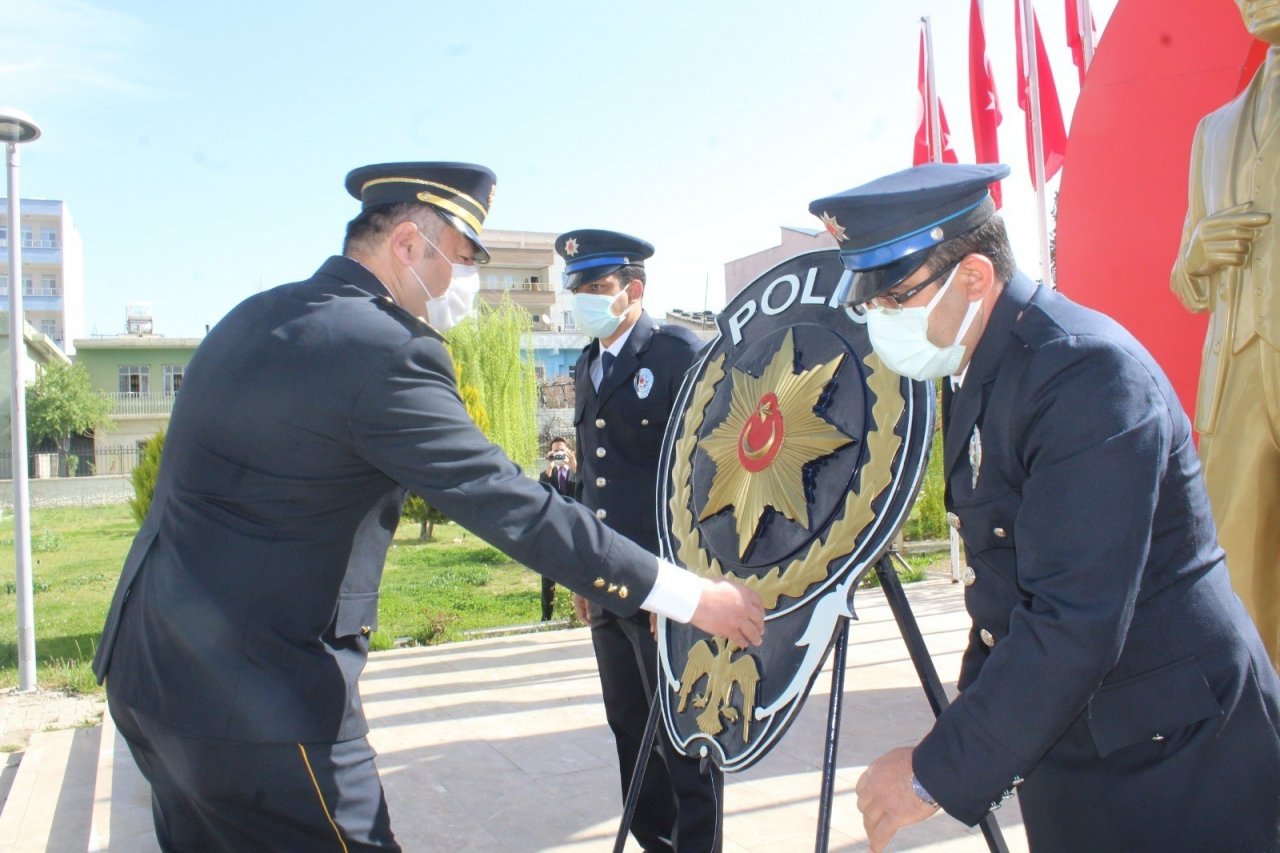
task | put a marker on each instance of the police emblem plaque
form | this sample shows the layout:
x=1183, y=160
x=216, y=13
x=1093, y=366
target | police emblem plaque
x=790, y=462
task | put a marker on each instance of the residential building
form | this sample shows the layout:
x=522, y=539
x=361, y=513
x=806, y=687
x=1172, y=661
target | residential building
x=524, y=267
x=703, y=323
x=794, y=241
x=141, y=374
x=52, y=269
x=40, y=350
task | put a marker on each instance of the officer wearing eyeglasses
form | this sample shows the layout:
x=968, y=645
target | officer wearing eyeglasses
x=1112, y=678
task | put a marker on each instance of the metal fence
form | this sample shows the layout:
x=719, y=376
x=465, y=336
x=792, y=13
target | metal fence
x=104, y=460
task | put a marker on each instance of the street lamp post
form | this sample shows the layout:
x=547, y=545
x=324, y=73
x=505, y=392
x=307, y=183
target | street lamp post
x=16, y=127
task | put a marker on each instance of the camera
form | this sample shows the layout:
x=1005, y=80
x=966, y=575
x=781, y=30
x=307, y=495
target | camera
x=558, y=456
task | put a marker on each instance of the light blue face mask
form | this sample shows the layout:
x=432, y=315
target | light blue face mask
x=593, y=313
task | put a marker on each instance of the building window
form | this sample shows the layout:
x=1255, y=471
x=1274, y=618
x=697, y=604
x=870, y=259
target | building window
x=4, y=235
x=27, y=239
x=27, y=286
x=135, y=379
x=172, y=378
x=508, y=282
x=4, y=285
x=539, y=373
x=570, y=325
x=49, y=328
x=48, y=285
x=49, y=238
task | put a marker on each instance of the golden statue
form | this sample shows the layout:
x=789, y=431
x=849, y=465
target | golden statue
x=1229, y=264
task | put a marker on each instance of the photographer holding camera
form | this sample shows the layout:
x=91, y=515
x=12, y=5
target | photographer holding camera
x=562, y=475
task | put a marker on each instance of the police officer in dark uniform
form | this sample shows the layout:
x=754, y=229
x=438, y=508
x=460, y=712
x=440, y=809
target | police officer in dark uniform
x=1112, y=677
x=626, y=381
x=242, y=619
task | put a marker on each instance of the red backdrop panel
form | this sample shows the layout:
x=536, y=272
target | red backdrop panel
x=1159, y=67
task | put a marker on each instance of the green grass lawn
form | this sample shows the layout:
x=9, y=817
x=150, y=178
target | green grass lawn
x=432, y=592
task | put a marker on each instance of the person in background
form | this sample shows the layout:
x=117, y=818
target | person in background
x=626, y=382
x=560, y=474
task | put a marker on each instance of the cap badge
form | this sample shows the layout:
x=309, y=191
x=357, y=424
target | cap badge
x=493, y=189
x=643, y=382
x=571, y=247
x=835, y=228
x=936, y=234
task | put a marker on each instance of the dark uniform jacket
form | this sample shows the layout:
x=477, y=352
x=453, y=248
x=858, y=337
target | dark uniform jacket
x=620, y=428
x=1111, y=675
x=246, y=602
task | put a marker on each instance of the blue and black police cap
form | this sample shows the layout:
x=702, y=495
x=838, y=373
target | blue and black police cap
x=590, y=253
x=888, y=228
x=460, y=192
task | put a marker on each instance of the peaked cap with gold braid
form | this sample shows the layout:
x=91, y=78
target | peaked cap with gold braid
x=461, y=192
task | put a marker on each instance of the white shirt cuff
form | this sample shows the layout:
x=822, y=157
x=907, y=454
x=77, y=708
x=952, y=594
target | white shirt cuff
x=675, y=593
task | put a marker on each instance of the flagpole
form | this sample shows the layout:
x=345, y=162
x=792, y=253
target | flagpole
x=935, y=124
x=1032, y=58
x=1086, y=31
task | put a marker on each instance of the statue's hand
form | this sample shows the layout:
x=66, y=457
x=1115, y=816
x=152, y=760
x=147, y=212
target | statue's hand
x=1222, y=240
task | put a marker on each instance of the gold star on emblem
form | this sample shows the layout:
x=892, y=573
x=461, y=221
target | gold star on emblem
x=571, y=247
x=834, y=227
x=771, y=433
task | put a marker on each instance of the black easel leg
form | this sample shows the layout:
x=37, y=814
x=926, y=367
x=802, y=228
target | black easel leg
x=647, y=741
x=925, y=669
x=833, y=738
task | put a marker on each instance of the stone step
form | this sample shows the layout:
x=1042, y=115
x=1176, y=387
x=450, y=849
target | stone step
x=77, y=790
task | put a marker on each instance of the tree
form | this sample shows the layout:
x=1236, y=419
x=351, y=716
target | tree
x=486, y=348
x=144, y=477
x=415, y=507
x=62, y=403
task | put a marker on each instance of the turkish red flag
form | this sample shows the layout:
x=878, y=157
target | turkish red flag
x=1075, y=39
x=922, y=153
x=1052, y=129
x=984, y=104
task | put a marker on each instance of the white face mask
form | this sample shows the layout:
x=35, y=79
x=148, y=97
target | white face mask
x=901, y=339
x=445, y=312
x=593, y=312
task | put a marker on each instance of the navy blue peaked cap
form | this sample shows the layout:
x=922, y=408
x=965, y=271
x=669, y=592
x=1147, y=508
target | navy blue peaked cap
x=590, y=253
x=461, y=192
x=887, y=229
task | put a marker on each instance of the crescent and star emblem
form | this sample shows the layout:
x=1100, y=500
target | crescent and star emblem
x=571, y=247
x=771, y=433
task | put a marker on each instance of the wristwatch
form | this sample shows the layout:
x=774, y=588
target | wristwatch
x=922, y=793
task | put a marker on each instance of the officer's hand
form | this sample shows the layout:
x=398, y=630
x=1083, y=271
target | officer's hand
x=887, y=800
x=1218, y=241
x=580, y=607
x=729, y=609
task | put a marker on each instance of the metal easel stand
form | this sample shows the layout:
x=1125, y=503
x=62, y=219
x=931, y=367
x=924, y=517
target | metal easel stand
x=928, y=680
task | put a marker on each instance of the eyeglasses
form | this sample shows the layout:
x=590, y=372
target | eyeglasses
x=893, y=302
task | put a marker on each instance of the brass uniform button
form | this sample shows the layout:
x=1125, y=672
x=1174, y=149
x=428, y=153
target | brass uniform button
x=598, y=583
x=644, y=422
x=599, y=423
x=600, y=452
x=953, y=520
x=601, y=514
x=999, y=532
x=613, y=587
x=988, y=639
x=970, y=576
x=623, y=592
x=601, y=482
x=365, y=629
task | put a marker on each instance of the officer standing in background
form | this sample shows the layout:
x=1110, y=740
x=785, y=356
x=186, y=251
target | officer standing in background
x=1112, y=677
x=561, y=474
x=243, y=615
x=626, y=381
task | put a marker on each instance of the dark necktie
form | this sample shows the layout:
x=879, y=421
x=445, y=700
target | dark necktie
x=606, y=364
x=563, y=475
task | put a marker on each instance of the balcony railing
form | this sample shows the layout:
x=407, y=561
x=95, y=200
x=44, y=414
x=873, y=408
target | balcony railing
x=128, y=403
x=33, y=244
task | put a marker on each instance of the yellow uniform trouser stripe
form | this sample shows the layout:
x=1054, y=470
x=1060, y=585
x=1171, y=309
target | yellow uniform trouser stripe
x=302, y=749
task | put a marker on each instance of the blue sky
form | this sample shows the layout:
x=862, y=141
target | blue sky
x=202, y=147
